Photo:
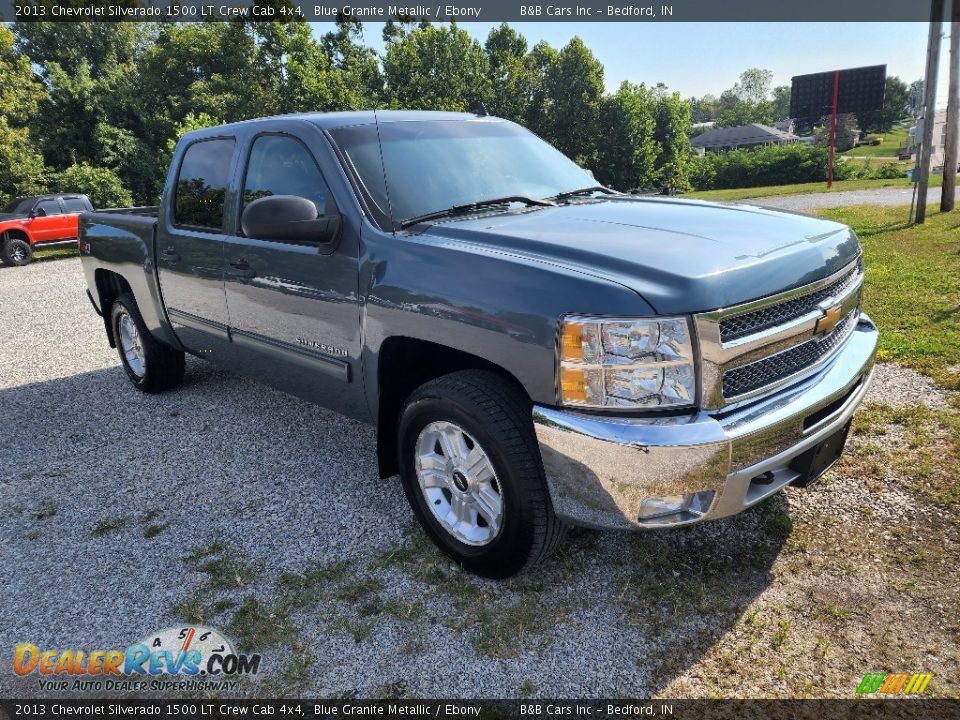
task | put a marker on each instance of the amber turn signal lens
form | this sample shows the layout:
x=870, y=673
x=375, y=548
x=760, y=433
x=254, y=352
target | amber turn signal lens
x=571, y=342
x=573, y=385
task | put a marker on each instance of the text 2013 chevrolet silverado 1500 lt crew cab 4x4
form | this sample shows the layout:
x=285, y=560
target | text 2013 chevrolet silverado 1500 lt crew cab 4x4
x=40, y=220
x=534, y=350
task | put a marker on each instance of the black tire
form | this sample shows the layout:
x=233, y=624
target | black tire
x=497, y=415
x=15, y=251
x=162, y=366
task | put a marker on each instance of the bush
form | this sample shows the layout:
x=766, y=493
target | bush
x=850, y=170
x=888, y=171
x=102, y=186
x=769, y=165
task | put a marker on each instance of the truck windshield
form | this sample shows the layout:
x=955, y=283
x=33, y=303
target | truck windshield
x=429, y=166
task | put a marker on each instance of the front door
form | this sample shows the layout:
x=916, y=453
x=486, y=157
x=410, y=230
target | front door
x=49, y=221
x=190, y=248
x=294, y=315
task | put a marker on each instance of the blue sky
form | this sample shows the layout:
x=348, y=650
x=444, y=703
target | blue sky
x=699, y=58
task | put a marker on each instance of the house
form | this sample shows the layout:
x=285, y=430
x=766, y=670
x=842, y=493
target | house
x=915, y=136
x=742, y=136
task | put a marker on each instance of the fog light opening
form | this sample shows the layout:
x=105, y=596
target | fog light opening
x=691, y=505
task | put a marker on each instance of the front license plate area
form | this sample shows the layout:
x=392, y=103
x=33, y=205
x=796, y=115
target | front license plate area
x=817, y=460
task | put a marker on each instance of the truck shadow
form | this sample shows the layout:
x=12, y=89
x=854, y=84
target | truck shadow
x=102, y=474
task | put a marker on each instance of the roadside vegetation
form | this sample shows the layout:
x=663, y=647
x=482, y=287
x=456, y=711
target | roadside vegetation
x=912, y=286
x=747, y=193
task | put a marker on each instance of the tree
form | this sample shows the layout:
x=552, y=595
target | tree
x=91, y=113
x=735, y=111
x=672, y=134
x=436, y=68
x=896, y=105
x=574, y=84
x=915, y=100
x=748, y=101
x=754, y=85
x=846, y=131
x=22, y=171
x=781, y=103
x=102, y=186
x=22, y=168
x=358, y=65
x=626, y=159
x=703, y=109
x=542, y=58
x=512, y=73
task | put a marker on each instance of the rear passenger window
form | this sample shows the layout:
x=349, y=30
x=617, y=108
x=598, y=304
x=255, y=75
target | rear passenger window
x=74, y=205
x=280, y=165
x=202, y=184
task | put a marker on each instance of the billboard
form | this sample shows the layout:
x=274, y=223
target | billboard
x=860, y=90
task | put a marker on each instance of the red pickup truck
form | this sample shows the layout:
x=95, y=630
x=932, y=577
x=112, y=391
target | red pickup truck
x=26, y=222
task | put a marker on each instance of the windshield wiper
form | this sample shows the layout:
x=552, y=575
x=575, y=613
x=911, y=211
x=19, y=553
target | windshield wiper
x=584, y=191
x=478, y=205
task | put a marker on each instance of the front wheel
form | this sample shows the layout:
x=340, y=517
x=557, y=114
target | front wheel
x=151, y=366
x=15, y=251
x=471, y=469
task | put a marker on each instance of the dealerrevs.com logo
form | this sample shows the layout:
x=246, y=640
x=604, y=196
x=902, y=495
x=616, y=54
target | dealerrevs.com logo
x=181, y=658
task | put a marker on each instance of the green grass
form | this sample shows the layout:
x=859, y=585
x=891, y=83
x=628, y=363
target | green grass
x=804, y=188
x=891, y=141
x=912, y=287
x=56, y=253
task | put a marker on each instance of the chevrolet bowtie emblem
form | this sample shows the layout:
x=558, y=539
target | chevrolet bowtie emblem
x=831, y=316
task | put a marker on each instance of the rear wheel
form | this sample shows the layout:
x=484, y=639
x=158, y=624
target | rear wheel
x=151, y=365
x=15, y=251
x=471, y=469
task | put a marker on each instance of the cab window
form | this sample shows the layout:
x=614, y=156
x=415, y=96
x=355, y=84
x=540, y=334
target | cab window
x=281, y=165
x=47, y=207
x=75, y=205
x=201, y=189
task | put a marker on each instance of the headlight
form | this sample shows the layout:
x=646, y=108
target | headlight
x=626, y=363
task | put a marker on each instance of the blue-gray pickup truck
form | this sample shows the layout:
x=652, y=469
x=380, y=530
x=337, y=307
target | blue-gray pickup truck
x=535, y=350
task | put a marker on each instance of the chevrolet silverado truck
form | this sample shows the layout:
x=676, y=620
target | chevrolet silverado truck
x=46, y=220
x=534, y=350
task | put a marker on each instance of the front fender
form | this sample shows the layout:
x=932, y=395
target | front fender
x=19, y=227
x=484, y=302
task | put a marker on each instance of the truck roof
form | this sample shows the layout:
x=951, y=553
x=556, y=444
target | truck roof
x=333, y=120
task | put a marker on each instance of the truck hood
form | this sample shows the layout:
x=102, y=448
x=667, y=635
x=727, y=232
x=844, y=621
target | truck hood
x=6, y=217
x=680, y=255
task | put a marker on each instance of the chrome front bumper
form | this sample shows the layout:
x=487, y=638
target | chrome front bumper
x=603, y=471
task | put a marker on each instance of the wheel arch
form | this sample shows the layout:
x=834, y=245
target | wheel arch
x=404, y=364
x=17, y=233
x=110, y=285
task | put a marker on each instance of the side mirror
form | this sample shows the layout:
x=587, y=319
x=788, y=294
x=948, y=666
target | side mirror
x=289, y=218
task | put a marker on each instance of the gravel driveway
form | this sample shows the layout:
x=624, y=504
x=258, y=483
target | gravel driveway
x=844, y=198
x=233, y=505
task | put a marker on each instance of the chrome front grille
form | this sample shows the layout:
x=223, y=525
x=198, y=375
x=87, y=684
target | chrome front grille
x=740, y=326
x=747, y=378
x=751, y=349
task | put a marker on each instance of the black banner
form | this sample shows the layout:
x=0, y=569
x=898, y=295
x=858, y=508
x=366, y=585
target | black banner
x=650, y=11
x=487, y=709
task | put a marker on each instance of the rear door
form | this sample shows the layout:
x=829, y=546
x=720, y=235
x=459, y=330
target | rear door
x=190, y=247
x=294, y=314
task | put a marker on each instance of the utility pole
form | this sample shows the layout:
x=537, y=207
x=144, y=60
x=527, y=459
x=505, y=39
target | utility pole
x=949, y=193
x=929, y=100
